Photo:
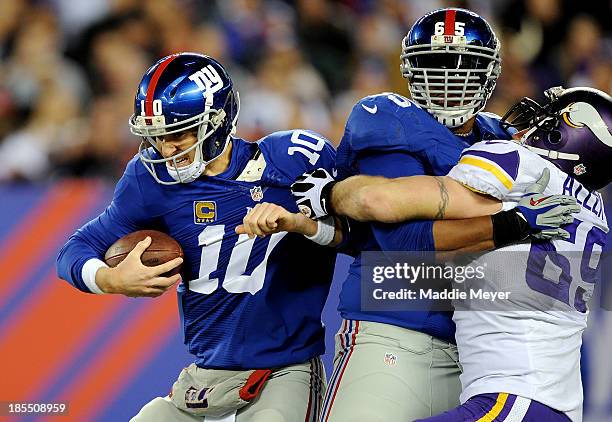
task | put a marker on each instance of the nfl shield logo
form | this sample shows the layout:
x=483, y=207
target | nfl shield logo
x=579, y=169
x=390, y=359
x=257, y=193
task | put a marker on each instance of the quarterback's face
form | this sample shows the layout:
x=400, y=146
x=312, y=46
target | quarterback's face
x=173, y=144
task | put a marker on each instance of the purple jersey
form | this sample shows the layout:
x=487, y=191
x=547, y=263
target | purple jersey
x=501, y=407
x=547, y=287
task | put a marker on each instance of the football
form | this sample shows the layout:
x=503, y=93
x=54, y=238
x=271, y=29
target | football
x=163, y=248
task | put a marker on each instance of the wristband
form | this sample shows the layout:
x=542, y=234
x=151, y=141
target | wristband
x=88, y=273
x=326, y=229
x=509, y=227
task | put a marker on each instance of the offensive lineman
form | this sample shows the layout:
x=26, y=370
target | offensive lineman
x=451, y=58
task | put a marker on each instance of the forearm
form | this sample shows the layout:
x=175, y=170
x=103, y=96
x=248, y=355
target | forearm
x=368, y=198
x=105, y=280
x=72, y=258
x=466, y=235
x=446, y=256
x=338, y=233
x=90, y=242
x=348, y=197
x=481, y=233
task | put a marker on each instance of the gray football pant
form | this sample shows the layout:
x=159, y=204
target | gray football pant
x=291, y=394
x=387, y=373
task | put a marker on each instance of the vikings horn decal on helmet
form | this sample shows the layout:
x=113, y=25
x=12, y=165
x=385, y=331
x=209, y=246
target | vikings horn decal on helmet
x=572, y=130
x=451, y=60
x=185, y=91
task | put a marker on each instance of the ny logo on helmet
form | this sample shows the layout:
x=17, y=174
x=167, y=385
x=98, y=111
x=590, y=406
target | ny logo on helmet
x=207, y=79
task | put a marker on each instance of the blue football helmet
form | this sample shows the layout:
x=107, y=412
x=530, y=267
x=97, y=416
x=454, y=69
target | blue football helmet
x=181, y=92
x=451, y=60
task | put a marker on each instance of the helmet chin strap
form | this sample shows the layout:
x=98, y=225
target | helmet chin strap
x=188, y=173
x=191, y=172
x=553, y=155
x=453, y=120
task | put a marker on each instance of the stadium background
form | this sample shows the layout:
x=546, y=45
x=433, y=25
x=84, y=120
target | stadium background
x=68, y=72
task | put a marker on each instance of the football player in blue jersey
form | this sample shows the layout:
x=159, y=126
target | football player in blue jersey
x=393, y=365
x=248, y=316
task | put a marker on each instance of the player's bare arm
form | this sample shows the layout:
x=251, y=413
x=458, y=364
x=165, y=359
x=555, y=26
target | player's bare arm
x=465, y=224
x=465, y=235
x=449, y=235
x=428, y=197
x=134, y=279
x=374, y=198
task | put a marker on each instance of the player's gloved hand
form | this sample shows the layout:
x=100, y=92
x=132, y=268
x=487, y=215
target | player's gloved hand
x=545, y=214
x=311, y=192
x=536, y=215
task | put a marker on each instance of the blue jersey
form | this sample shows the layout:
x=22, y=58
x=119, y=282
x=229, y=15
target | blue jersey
x=244, y=303
x=388, y=135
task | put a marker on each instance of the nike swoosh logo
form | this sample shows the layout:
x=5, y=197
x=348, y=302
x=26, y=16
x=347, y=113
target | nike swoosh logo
x=535, y=203
x=372, y=110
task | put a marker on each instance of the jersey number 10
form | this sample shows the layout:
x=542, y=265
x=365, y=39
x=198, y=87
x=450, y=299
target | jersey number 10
x=308, y=140
x=235, y=280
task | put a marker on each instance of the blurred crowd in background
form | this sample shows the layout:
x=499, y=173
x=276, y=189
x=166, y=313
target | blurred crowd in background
x=69, y=69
